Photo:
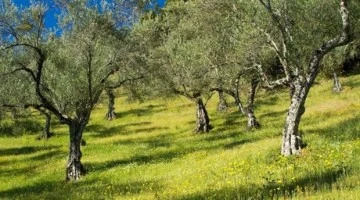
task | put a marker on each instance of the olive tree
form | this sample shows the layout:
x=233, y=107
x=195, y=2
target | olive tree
x=301, y=34
x=231, y=52
x=177, y=55
x=68, y=73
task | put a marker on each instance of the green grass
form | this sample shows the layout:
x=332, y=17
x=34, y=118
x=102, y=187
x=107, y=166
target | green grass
x=151, y=152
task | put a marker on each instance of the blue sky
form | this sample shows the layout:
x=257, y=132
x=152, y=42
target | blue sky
x=50, y=20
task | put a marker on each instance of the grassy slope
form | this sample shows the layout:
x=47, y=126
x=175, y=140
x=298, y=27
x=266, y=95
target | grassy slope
x=150, y=152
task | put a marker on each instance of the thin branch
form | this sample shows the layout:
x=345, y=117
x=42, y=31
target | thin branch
x=120, y=83
x=208, y=99
x=12, y=72
x=183, y=93
x=275, y=18
x=12, y=30
x=37, y=49
x=111, y=72
x=271, y=84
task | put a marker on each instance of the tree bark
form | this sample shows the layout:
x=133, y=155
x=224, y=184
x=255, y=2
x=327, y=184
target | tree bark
x=222, y=105
x=252, y=122
x=75, y=169
x=110, y=115
x=337, y=86
x=46, y=134
x=292, y=142
x=202, y=118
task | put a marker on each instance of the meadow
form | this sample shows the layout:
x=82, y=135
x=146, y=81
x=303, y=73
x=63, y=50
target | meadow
x=151, y=152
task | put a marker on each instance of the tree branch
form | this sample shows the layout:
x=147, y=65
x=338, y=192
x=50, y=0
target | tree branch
x=271, y=84
x=183, y=93
x=120, y=83
x=342, y=39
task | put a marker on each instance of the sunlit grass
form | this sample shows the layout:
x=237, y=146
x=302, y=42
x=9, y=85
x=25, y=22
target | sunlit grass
x=151, y=152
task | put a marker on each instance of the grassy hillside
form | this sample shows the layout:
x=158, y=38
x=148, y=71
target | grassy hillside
x=150, y=152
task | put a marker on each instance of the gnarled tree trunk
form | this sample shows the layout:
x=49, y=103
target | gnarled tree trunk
x=337, y=86
x=202, y=118
x=252, y=122
x=110, y=115
x=292, y=142
x=222, y=105
x=75, y=169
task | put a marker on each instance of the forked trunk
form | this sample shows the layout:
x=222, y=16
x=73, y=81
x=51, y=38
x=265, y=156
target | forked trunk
x=337, y=86
x=292, y=142
x=222, y=105
x=75, y=168
x=252, y=122
x=202, y=118
x=235, y=94
x=110, y=115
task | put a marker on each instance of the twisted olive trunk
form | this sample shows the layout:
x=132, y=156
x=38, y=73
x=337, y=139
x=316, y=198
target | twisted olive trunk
x=292, y=142
x=252, y=122
x=75, y=169
x=110, y=115
x=301, y=85
x=202, y=118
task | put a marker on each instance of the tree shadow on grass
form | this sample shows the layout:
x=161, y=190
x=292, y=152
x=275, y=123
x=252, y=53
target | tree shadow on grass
x=220, y=136
x=147, y=110
x=136, y=159
x=94, y=189
x=48, y=155
x=17, y=171
x=25, y=150
x=274, y=114
x=229, y=121
x=314, y=182
x=342, y=131
x=128, y=188
x=352, y=83
x=166, y=155
x=232, y=118
x=238, y=143
x=32, y=190
x=150, y=142
x=271, y=100
x=103, y=131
